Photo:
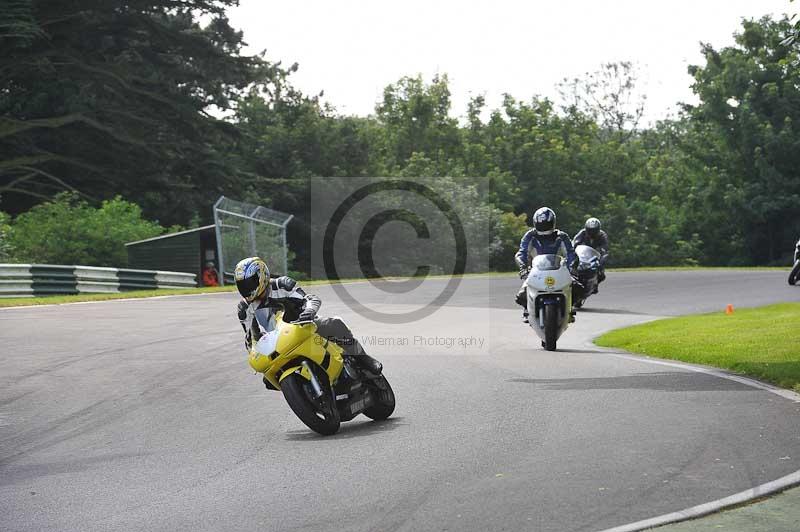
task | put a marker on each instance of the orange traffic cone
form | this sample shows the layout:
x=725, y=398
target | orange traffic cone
x=729, y=309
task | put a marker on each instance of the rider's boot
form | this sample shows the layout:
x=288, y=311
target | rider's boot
x=521, y=299
x=578, y=290
x=572, y=316
x=362, y=359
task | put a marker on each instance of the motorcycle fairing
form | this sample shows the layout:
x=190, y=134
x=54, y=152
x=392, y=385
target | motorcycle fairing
x=291, y=343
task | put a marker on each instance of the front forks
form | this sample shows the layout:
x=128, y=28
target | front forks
x=315, y=385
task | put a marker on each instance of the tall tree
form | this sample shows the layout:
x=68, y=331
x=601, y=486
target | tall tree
x=416, y=116
x=108, y=97
x=609, y=95
x=750, y=96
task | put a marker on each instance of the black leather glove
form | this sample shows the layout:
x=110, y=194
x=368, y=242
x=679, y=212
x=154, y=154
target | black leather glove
x=307, y=315
x=286, y=283
x=241, y=310
x=573, y=267
x=523, y=272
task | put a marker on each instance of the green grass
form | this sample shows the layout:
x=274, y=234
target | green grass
x=700, y=268
x=77, y=298
x=760, y=342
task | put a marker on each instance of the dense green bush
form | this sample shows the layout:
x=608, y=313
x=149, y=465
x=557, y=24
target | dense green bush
x=68, y=230
x=5, y=234
x=507, y=233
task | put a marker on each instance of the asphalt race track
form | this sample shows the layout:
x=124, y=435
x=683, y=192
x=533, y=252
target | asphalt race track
x=144, y=415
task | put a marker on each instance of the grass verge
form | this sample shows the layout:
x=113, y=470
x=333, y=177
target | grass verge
x=759, y=342
x=700, y=268
x=136, y=294
x=80, y=298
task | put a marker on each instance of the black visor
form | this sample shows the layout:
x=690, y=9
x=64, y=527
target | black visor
x=247, y=285
x=544, y=226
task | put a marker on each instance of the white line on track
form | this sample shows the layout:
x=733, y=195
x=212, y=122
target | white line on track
x=713, y=506
x=707, y=508
x=786, y=394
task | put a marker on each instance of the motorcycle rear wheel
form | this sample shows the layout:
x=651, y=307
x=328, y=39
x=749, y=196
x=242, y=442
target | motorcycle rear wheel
x=384, y=401
x=550, y=326
x=794, y=276
x=297, y=392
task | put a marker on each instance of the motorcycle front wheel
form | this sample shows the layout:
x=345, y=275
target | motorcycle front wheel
x=794, y=276
x=550, y=326
x=384, y=400
x=320, y=415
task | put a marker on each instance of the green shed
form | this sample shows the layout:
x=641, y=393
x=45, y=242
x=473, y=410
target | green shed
x=185, y=251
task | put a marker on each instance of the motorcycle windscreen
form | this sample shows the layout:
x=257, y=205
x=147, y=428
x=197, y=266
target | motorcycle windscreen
x=588, y=257
x=547, y=262
x=266, y=344
x=586, y=253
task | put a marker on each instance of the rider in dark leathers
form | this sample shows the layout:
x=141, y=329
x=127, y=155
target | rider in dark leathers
x=543, y=239
x=593, y=236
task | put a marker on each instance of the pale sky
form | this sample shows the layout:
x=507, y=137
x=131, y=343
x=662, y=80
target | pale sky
x=353, y=49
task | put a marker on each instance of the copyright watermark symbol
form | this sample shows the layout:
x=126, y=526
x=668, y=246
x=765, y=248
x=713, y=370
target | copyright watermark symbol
x=396, y=233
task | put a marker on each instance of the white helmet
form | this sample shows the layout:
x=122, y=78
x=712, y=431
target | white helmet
x=544, y=221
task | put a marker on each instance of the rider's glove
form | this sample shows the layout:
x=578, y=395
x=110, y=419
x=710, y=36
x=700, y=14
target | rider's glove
x=307, y=315
x=573, y=268
x=241, y=310
x=286, y=283
x=523, y=272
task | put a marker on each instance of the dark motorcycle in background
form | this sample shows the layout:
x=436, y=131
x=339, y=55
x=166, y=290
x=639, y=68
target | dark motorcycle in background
x=588, y=271
x=794, y=276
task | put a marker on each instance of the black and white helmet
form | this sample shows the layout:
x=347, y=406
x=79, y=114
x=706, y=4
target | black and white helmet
x=544, y=221
x=593, y=227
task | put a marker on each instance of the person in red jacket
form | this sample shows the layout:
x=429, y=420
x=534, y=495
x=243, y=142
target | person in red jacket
x=210, y=275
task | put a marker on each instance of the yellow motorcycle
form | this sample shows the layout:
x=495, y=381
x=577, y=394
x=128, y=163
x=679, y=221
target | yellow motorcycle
x=322, y=386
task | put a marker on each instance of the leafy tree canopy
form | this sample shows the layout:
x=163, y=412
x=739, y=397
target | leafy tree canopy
x=106, y=97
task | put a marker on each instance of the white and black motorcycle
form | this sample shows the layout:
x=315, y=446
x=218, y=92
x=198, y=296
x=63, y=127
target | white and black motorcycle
x=794, y=275
x=549, y=288
x=588, y=271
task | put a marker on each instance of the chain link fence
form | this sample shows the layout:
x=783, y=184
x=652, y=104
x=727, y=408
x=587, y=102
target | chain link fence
x=247, y=230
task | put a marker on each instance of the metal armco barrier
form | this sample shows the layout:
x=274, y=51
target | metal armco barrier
x=21, y=280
